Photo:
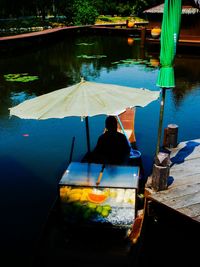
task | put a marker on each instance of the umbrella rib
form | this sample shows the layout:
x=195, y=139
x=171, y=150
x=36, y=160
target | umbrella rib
x=84, y=99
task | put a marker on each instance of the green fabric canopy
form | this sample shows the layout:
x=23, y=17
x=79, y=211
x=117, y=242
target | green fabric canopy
x=169, y=37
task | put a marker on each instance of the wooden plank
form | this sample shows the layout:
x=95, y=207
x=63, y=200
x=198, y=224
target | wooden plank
x=186, y=180
x=183, y=194
x=187, y=168
x=183, y=201
x=195, y=153
x=196, y=218
x=177, y=192
x=192, y=210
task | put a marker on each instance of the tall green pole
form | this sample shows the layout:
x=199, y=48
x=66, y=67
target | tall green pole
x=162, y=105
x=169, y=38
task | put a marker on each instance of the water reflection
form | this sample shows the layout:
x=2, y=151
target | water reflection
x=64, y=63
x=38, y=151
x=187, y=77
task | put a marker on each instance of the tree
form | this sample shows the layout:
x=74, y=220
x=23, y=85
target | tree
x=140, y=5
x=84, y=12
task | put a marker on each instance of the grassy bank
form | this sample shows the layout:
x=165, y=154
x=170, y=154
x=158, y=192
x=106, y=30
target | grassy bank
x=116, y=19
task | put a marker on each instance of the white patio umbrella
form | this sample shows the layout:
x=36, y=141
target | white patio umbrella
x=84, y=99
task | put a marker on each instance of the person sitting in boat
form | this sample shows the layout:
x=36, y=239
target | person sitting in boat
x=112, y=146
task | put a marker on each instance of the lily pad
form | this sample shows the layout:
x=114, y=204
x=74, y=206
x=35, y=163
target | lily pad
x=116, y=62
x=131, y=62
x=20, y=77
x=92, y=56
x=85, y=44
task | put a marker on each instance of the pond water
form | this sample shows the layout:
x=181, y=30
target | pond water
x=34, y=154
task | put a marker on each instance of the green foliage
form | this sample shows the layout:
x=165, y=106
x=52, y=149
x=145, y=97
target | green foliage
x=20, y=77
x=84, y=12
x=140, y=5
x=106, y=19
x=76, y=12
x=123, y=9
x=24, y=23
x=115, y=19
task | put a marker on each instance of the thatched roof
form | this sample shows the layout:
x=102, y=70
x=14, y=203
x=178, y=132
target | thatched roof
x=185, y=9
x=197, y=3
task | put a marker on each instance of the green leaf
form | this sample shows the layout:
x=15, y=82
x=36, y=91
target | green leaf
x=20, y=77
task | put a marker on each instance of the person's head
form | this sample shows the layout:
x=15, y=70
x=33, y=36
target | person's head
x=111, y=124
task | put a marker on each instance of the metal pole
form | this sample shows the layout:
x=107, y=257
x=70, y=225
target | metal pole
x=87, y=133
x=122, y=127
x=162, y=104
x=72, y=149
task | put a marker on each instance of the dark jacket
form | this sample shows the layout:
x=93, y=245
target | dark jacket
x=111, y=148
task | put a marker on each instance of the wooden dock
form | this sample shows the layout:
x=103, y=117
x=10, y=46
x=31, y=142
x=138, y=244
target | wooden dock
x=183, y=192
x=188, y=41
x=28, y=39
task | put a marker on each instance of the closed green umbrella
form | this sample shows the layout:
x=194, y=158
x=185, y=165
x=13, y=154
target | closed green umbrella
x=169, y=38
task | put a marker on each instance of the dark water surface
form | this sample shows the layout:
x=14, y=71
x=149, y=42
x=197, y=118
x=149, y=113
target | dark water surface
x=34, y=154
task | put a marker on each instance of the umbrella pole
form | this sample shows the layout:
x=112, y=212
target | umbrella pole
x=87, y=134
x=162, y=104
x=72, y=149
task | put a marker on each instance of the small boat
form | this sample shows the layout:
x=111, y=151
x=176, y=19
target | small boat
x=126, y=124
x=96, y=219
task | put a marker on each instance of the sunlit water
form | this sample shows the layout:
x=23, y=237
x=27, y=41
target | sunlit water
x=34, y=154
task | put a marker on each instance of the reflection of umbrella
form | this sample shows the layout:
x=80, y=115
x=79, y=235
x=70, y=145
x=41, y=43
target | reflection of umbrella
x=169, y=37
x=84, y=99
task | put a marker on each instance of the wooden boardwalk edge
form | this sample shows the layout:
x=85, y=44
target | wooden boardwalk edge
x=183, y=194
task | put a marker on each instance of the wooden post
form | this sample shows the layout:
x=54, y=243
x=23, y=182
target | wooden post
x=165, y=138
x=143, y=35
x=162, y=159
x=160, y=172
x=159, y=177
x=172, y=135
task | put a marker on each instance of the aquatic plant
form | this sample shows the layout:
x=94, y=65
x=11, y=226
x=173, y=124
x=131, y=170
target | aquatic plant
x=20, y=77
x=92, y=56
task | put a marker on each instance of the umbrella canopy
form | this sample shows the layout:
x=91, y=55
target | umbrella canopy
x=84, y=99
x=169, y=37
